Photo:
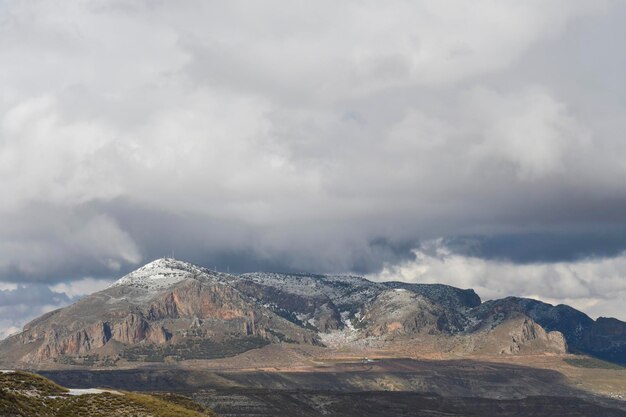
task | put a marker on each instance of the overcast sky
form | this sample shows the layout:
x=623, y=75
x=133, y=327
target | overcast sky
x=476, y=143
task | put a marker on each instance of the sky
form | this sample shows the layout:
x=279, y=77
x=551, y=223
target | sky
x=474, y=143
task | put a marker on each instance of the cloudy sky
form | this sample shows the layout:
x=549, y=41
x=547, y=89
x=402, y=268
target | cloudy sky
x=475, y=143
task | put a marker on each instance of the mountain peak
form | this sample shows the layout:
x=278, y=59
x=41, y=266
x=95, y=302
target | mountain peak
x=167, y=263
x=161, y=273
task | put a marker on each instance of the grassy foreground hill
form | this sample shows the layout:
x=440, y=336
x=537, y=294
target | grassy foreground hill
x=27, y=395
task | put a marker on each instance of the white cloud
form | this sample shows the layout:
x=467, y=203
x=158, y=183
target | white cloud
x=296, y=133
x=532, y=130
x=595, y=286
x=325, y=51
x=38, y=242
x=6, y=329
x=81, y=287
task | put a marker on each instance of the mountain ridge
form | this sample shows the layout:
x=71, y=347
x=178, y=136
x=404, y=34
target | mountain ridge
x=170, y=310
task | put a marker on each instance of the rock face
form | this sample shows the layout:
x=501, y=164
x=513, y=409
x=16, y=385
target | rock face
x=402, y=312
x=172, y=310
x=517, y=335
x=604, y=338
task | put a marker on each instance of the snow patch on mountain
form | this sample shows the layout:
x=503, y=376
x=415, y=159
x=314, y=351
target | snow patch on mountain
x=163, y=273
x=343, y=290
x=342, y=337
x=90, y=391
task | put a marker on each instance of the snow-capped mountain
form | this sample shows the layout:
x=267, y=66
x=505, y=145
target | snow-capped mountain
x=164, y=273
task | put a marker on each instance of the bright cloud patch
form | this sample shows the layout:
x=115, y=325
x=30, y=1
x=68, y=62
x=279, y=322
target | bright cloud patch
x=595, y=286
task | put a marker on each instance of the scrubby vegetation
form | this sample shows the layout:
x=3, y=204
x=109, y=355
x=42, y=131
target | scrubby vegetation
x=89, y=360
x=184, y=401
x=23, y=382
x=585, y=362
x=23, y=394
x=192, y=349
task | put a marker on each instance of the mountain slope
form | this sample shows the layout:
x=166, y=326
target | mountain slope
x=351, y=311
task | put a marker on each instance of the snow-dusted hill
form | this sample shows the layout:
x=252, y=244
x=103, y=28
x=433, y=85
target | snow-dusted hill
x=165, y=272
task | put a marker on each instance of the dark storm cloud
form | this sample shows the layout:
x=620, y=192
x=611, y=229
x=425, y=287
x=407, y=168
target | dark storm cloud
x=45, y=242
x=239, y=137
x=239, y=247
x=543, y=247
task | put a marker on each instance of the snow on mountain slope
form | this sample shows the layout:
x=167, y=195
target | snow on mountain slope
x=342, y=290
x=165, y=272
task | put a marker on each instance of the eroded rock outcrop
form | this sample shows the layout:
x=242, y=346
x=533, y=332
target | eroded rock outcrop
x=515, y=335
x=196, y=299
x=401, y=312
x=58, y=342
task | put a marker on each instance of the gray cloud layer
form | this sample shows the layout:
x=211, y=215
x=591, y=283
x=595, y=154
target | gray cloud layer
x=308, y=135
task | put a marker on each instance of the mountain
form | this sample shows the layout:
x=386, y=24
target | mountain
x=170, y=310
x=604, y=338
x=165, y=309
